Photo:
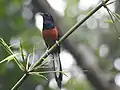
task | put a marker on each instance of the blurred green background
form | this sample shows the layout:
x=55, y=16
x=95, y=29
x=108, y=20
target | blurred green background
x=97, y=38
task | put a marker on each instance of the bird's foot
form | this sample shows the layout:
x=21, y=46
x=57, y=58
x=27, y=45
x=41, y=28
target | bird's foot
x=57, y=44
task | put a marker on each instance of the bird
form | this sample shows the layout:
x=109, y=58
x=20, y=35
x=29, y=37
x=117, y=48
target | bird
x=51, y=36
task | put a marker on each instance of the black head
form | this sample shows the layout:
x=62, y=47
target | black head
x=47, y=16
x=48, y=21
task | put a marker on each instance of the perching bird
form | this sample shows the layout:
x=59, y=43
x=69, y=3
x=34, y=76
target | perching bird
x=51, y=36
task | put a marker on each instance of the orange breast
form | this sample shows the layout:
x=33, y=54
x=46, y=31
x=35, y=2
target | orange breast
x=50, y=34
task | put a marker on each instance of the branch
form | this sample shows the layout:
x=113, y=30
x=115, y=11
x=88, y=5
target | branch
x=16, y=86
x=60, y=41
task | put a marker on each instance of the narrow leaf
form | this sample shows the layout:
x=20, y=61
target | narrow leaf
x=38, y=74
x=31, y=67
x=33, y=57
x=27, y=64
x=109, y=21
x=7, y=48
x=9, y=58
x=21, y=50
x=117, y=15
x=53, y=72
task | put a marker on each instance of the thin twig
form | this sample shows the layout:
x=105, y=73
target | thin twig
x=111, y=15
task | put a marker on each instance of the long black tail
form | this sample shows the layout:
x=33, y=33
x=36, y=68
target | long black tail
x=57, y=67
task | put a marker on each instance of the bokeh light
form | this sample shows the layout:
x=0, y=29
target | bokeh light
x=39, y=21
x=117, y=64
x=27, y=13
x=39, y=87
x=103, y=50
x=86, y=4
x=58, y=5
x=66, y=61
x=117, y=79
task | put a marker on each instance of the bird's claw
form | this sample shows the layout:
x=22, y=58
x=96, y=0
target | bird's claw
x=57, y=43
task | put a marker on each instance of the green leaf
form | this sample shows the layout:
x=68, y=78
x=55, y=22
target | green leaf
x=38, y=74
x=31, y=67
x=33, y=55
x=27, y=64
x=7, y=48
x=109, y=21
x=9, y=58
x=117, y=15
x=41, y=65
x=53, y=72
x=21, y=50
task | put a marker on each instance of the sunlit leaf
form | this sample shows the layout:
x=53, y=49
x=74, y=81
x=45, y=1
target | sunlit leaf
x=117, y=15
x=109, y=21
x=41, y=65
x=21, y=50
x=38, y=74
x=32, y=66
x=7, y=48
x=33, y=57
x=9, y=58
x=111, y=14
x=53, y=72
x=27, y=64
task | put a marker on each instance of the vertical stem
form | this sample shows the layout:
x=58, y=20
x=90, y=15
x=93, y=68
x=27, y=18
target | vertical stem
x=16, y=86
